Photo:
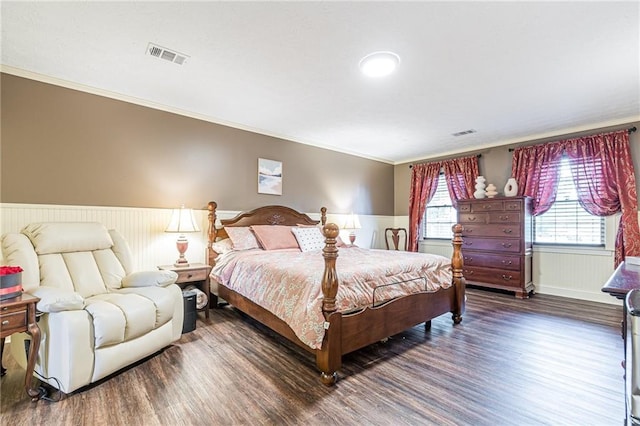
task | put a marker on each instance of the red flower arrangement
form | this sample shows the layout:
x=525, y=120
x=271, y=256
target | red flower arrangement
x=8, y=270
x=10, y=282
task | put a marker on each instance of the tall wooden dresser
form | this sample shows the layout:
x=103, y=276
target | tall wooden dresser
x=498, y=239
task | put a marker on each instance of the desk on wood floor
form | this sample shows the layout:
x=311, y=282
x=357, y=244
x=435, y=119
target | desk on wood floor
x=625, y=278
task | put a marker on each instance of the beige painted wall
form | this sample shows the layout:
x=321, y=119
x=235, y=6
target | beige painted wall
x=67, y=147
x=495, y=165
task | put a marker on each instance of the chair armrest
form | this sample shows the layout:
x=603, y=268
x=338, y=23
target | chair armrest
x=149, y=279
x=57, y=300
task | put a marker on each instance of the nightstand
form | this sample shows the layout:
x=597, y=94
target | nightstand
x=18, y=315
x=196, y=274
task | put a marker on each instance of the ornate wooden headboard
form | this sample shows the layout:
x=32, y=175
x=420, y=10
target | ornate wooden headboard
x=266, y=215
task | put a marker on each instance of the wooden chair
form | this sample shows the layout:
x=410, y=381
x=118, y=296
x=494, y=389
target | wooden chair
x=394, y=234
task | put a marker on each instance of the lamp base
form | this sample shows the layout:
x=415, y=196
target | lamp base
x=182, y=244
x=352, y=238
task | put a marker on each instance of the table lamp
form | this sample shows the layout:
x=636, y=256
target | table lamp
x=352, y=223
x=182, y=221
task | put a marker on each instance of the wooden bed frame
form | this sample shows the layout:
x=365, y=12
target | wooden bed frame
x=344, y=332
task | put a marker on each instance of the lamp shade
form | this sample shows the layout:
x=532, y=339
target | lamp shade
x=352, y=222
x=182, y=220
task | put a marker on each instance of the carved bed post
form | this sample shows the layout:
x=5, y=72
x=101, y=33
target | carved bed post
x=211, y=230
x=323, y=216
x=457, y=263
x=330, y=278
x=211, y=255
x=329, y=358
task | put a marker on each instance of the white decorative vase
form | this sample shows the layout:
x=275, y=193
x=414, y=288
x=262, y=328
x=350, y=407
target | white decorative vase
x=511, y=188
x=480, y=193
x=491, y=190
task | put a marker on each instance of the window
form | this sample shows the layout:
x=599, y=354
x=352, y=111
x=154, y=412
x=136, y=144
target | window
x=439, y=216
x=566, y=222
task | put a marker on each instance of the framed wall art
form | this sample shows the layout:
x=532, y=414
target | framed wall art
x=269, y=177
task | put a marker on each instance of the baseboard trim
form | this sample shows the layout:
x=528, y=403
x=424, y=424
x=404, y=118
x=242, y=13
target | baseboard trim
x=578, y=294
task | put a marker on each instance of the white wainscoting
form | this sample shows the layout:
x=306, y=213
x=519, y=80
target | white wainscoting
x=144, y=228
x=578, y=275
x=558, y=271
x=565, y=272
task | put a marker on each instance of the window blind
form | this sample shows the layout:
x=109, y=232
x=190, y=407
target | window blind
x=439, y=215
x=567, y=222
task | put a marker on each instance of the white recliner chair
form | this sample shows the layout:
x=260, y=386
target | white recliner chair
x=97, y=315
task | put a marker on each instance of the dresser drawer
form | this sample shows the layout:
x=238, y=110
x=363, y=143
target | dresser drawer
x=492, y=244
x=473, y=218
x=501, y=277
x=511, y=231
x=500, y=261
x=513, y=205
x=191, y=275
x=477, y=206
x=505, y=217
x=13, y=319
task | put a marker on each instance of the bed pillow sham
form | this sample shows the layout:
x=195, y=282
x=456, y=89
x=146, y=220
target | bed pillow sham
x=275, y=237
x=309, y=238
x=222, y=246
x=339, y=242
x=242, y=237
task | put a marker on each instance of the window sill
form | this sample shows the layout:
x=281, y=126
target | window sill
x=591, y=251
x=434, y=242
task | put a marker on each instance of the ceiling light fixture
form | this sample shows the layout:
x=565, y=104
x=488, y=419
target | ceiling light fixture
x=379, y=64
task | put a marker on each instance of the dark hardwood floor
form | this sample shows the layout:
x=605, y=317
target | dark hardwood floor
x=542, y=361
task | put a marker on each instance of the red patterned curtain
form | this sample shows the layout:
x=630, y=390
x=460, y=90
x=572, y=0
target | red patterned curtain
x=424, y=182
x=604, y=176
x=461, y=174
x=536, y=171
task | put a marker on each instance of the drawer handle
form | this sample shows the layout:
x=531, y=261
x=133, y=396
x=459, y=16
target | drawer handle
x=507, y=277
x=468, y=272
x=468, y=231
x=506, y=245
x=486, y=206
x=472, y=218
x=507, y=231
x=504, y=217
x=470, y=259
x=5, y=322
x=504, y=262
x=469, y=243
x=6, y=308
x=189, y=276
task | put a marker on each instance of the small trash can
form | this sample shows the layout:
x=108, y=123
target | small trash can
x=190, y=311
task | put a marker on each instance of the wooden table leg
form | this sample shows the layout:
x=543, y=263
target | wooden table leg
x=3, y=370
x=34, y=331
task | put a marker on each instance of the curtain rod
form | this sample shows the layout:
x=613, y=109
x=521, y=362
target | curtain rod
x=630, y=130
x=477, y=156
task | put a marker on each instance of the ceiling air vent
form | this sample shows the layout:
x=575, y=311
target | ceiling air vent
x=166, y=54
x=464, y=132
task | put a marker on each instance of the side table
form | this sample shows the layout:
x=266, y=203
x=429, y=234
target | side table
x=195, y=273
x=625, y=278
x=19, y=315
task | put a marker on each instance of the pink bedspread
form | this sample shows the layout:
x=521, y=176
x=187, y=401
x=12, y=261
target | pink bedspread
x=288, y=282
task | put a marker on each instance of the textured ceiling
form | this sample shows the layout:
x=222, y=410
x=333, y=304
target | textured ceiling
x=512, y=71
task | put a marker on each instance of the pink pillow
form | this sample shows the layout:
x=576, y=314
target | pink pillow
x=274, y=237
x=242, y=237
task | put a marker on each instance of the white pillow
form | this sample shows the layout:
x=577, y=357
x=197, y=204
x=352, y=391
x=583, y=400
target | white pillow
x=309, y=238
x=242, y=237
x=222, y=246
